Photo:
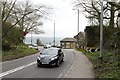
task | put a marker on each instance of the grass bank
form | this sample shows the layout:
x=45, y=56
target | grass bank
x=20, y=51
x=106, y=69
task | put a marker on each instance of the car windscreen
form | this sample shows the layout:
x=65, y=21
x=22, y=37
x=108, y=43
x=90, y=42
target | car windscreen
x=47, y=45
x=50, y=52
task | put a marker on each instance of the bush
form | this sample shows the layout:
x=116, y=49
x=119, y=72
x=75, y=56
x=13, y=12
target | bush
x=90, y=36
x=18, y=52
x=12, y=38
x=5, y=45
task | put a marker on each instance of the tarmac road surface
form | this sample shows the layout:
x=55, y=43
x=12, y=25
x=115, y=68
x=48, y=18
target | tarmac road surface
x=27, y=68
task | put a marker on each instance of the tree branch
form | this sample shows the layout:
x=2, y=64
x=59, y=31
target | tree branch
x=9, y=12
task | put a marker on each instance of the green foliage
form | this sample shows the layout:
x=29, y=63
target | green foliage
x=115, y=40
x=20, y=51
x=106, y=69
x=12, y=38
x=110, y=68
x=92, y=35
x=107, y=34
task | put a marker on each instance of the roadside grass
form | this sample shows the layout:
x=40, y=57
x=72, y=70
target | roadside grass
x=20, y=51
x=106, y=69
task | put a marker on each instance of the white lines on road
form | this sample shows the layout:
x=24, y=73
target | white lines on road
x=67, y=70
x=64, y=71
x=60, y=75
x=70, y=68
x=17, y=69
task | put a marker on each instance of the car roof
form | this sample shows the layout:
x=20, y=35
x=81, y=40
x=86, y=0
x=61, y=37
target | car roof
x=53, y=48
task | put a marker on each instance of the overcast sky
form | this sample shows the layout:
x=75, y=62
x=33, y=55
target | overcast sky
x=64, y=17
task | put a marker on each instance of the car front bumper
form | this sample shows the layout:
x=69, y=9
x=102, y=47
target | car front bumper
x=51, y=63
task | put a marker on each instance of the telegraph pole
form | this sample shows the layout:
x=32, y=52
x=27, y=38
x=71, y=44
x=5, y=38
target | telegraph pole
x=101, y=32
x=78, y=20
x=54, y=34
x=78, y=28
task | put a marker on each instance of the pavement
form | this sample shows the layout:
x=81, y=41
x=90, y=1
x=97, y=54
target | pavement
x=81, y=67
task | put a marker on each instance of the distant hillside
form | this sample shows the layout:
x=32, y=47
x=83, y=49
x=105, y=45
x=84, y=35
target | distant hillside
x=44, y=40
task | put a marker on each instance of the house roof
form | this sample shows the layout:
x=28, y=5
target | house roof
x=68, y=40
x=80, y=34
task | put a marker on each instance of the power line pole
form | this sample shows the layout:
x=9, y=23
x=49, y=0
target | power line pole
x=54, y=34
x=78, y=28
x=101, y=32
x=78, y=20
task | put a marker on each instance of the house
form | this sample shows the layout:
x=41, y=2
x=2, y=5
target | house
x=80, y=38
x=68, y=43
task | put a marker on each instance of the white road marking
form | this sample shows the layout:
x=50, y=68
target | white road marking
x=70, y=65
x=63, y=72
x=60, y=75
x=66, y=71
x=17, y=69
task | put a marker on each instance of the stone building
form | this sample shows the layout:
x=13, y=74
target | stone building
x=80, y=38
x=68, y=43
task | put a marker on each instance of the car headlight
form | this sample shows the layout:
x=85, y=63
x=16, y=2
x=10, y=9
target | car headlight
x=53, y=58
x=38, y=58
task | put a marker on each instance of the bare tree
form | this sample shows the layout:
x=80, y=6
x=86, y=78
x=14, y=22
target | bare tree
x=115, y=8
x=24, y=15
x=30, y=22
x=92, y=9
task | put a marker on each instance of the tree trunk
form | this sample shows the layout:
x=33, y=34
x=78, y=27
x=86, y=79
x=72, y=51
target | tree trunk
x=111, y=24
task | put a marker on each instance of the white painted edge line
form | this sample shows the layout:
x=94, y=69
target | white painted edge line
x=60, y=75
x=64, y=71
x=71, y=64
x=17, y=69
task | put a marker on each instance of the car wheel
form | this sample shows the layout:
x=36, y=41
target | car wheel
x=38, y=65
x=58, y=63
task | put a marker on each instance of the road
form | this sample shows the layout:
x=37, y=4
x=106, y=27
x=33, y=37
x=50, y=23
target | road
x=27, y=68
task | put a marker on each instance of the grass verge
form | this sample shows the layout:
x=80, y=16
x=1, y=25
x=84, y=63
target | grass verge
x=106, y=69
x=20, y=51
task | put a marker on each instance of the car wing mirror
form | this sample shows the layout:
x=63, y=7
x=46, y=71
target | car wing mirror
x=59, y=53
x=40, y=53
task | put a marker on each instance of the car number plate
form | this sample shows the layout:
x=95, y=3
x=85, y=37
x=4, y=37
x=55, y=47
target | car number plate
x=45, y=63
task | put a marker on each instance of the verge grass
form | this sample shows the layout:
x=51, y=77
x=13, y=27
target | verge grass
x=20, y=51
x=106, y=69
